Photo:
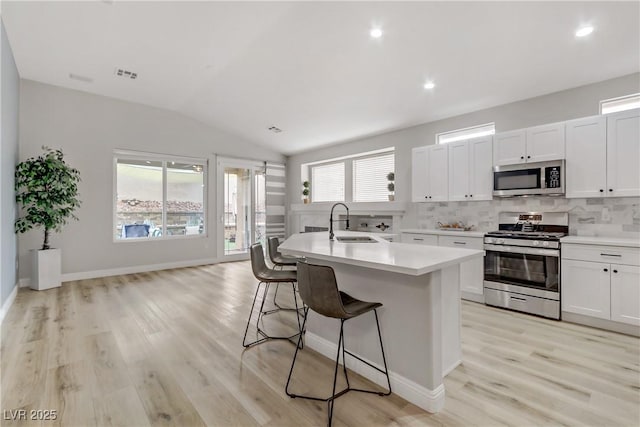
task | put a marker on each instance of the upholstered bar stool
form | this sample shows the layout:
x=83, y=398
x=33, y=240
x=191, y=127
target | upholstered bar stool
x=319, y=291
x=279, y=262
x=266, y=277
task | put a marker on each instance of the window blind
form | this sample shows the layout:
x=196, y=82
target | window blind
x=327, y=183
x=370, y=178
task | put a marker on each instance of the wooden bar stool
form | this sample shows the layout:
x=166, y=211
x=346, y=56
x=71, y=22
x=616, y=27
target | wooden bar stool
x=319, y=291
x=266, y=276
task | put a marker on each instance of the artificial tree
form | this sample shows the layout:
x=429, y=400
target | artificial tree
x=47, y=189
x=391, y=185
x=305, y=191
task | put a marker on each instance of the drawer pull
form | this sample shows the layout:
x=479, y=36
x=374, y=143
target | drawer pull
x=517, y=298
x=459, y=243
x=419, y=240
x=615, y=255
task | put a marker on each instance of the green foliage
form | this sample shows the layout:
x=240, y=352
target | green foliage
x=47, y=189
x=305, y=192
x=305, y=184
x=391, y=176
x=391, y=186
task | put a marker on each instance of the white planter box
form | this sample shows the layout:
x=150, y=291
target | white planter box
x=45, y=269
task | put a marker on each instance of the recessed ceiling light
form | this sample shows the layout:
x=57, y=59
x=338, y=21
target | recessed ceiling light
x=584, y=31
x=375, y=33
x=429, y=85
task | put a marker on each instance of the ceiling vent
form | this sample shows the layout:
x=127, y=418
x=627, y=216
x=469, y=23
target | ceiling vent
x=274, y=129
x=126, y=74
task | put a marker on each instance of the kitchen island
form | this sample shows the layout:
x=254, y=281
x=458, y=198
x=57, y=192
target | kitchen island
x=420, y=320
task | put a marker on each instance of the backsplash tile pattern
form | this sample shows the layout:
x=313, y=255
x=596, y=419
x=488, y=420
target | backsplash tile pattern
x=587, y=217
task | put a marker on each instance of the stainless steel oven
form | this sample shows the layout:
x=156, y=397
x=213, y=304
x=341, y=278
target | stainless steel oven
x=542, y=178
x=522, y=263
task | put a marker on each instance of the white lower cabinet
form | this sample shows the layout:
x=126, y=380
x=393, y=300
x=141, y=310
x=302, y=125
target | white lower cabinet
x=471, y=272
x=605, y=290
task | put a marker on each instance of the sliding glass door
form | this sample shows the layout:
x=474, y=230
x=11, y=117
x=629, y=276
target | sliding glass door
x=242, y=210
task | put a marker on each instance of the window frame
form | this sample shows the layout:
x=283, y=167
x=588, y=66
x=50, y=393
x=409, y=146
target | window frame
x=617, y=99
x=465, y=134
x=348, y=160
x=165, y=159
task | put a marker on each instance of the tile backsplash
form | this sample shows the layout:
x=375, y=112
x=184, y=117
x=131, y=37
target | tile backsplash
x=615, y=217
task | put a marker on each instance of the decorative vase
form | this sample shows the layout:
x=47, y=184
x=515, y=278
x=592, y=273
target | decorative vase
x=391, y=197
x=45, y=269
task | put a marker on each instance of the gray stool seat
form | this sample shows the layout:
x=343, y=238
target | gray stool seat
x=276, y=257
x=319, y=291
x=267, y=276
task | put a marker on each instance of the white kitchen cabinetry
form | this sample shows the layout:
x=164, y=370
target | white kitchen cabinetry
x=586, y=166
x=470, y=169
x=602, y=282
x=429, y=176
x=623, y=154
x=471, y=272
x=535, y=144
x=419, y=239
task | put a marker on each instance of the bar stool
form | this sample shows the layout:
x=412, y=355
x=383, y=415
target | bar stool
x=266, y=276
x=319, y=292
x=279, y=261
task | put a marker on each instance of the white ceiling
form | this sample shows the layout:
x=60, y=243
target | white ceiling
x=311, y=69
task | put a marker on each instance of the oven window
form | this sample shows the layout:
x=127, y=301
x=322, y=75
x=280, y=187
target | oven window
x=534, y=271
x=517, y=180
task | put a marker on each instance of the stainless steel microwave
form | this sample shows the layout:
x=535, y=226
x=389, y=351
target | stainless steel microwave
x=529, y=179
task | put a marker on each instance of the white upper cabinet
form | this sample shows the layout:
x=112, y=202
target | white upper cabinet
x=603, y=156
x=429, y=177
x=536, y=144
x=586, y=167
x=545, y=143
x=419, y=177
x=438, y=176
x=509, y=148
x=470, y=169
x=623, y=154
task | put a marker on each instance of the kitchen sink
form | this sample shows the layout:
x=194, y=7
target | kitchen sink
x=356, y=239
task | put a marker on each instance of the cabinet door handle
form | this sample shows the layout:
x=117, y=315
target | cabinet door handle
x=459, y=243
x=601, y=190
x=466, y=195
x=611, y=189
x=521, y=157
x=528, y=157
x=470, y=195
x=615, y=271
x=426, y=197
x=615, y=255
x=606, y=269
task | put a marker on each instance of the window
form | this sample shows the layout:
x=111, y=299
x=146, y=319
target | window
x=370, y=178
x=158, y=197
x=360, y=177
x=466, y=133
x=328, y=183
x=622, y=103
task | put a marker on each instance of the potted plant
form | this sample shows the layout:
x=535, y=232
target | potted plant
x=391, y=185
x=305, y=192
x=47, y=189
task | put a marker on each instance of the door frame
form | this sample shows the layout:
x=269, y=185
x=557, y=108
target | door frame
x=221, y=164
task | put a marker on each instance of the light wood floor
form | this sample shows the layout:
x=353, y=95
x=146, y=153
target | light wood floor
x=165, y=348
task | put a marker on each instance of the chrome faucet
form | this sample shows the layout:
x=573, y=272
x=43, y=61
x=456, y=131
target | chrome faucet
x=331, y=219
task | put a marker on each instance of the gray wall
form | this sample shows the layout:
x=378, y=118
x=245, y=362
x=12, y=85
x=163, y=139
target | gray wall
x=569, y=104
x=10, y=96
x=88, y=128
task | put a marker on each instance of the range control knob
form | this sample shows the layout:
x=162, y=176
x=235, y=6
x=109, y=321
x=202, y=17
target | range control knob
x=536, y=243
x=545, y=244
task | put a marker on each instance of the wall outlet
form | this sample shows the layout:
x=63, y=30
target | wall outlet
x=606, y=215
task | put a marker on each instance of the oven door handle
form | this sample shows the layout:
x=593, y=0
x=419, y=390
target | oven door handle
x=522, y=250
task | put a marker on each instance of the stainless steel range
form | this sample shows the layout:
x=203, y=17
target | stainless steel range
x=522, y=262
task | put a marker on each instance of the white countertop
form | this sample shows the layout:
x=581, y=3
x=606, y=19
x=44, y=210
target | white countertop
x=602, y=240
x=402, y=258
x=443, y=232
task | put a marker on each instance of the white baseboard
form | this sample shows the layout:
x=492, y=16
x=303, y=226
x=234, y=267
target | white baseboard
x=8, y=303
x=67, y=277
x=25, y=282
x=429, y=400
